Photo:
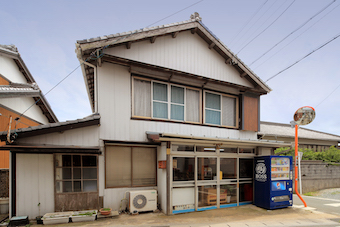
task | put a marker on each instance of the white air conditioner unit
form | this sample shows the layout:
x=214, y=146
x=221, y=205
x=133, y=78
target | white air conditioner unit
x=145, y=200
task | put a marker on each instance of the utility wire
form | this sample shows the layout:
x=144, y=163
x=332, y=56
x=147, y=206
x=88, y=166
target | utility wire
x=94, y=53
x=328, y=96
x=303, y=24
x=258, y=10
x=266, y=27
x=297, y=37
x=254, y=23
x=304, y=57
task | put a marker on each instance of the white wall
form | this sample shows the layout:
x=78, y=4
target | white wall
x=114, y=93
x=161, y=178
x=87, y=136
x=187, y=52
x=35, y=184
x=22, y=104
x=10, y=70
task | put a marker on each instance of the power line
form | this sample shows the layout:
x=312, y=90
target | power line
x=94, y=53
x=297, y=36
x=328, y=96
x=303, y=24
x=267, y=26
x=255, y=22
x=303, y=57
x=248, y=22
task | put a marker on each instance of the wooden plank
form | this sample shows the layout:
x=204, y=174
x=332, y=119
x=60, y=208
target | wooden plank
x=250, y=113
x=153, y=39
x=212, y=45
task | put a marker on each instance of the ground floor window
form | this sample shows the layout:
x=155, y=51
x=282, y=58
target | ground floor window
x=130, y=166
x=218, y=179
x=75, y=173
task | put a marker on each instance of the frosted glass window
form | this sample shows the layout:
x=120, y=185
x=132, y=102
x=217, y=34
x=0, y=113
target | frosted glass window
x=213, y=117
x=160, y=110
x=142, y=98
x=74, y=171
x=212, y=109
x=212, y=101
x=130, y=166
x=220, y=110
x=144, y=166
x=160, y=100
x=160, y=92
x=118, y=166
x=90, y=186
x=177, y=103
x=228, y=111
x=192, y=105
x=177, y=112
x=165, y=101
x=89, y=173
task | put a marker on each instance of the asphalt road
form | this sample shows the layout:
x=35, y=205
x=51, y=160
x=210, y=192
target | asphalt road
x=330, y=206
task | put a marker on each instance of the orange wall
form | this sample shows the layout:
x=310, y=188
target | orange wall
x=3, y=81
x=4, y=123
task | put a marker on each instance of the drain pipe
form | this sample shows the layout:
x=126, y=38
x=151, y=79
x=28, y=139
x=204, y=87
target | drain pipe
x=95, y=93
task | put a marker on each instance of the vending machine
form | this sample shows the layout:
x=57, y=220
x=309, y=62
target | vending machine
x=273, y=186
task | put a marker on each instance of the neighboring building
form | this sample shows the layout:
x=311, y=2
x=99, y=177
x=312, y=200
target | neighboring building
x=311, y=139
x=179, y=113
x=20, y=97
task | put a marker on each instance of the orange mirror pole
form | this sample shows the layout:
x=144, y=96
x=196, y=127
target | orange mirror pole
x=296, y=167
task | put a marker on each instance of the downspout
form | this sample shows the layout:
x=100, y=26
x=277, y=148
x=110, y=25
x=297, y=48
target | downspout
x=95, y=93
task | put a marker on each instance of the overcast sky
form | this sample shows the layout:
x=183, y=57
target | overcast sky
x=45, y=33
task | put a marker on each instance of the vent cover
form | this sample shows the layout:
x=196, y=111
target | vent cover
x=139, y=201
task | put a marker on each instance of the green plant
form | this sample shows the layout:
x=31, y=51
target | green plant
x=331, y=155
x=106, y=209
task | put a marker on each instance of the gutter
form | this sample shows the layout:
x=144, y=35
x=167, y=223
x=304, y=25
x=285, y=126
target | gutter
x=95, y=93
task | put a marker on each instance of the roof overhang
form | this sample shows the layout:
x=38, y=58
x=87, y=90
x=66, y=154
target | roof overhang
x=53, y=127
x=46, y=149
x=38, y=98
x=88, y=50
x=168, y=137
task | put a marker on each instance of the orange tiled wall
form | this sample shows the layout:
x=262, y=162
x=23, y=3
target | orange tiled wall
x=4, y=123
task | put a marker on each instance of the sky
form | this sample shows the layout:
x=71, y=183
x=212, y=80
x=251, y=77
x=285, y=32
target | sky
x=45, y=33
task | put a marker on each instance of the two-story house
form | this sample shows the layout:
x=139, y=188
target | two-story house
x=174, y=110
x=22, y=105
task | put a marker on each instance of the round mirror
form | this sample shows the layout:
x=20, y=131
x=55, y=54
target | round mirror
x=304, y=115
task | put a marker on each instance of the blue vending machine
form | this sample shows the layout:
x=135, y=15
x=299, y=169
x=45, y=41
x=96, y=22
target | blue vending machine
x=273, y=182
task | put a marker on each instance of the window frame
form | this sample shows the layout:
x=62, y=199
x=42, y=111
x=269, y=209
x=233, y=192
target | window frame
x=82, y=179
x=131, y=162
x=221, y=109
x=169, y=101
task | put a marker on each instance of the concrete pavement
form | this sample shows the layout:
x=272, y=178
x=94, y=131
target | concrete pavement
x=248, y=215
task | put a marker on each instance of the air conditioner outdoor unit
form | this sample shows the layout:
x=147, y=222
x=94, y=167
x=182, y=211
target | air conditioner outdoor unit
x=145, y=200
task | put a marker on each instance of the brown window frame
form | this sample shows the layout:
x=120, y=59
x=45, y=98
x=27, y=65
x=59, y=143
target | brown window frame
x=72, y=169
x=131, y=185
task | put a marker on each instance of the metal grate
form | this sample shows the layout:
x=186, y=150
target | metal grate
x=139, y=201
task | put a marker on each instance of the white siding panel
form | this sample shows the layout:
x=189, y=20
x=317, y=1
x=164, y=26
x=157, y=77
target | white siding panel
x=25, y=103
x=88, y=136
x=115, y=112
x=10, y=70
x=35, y=184
x=115, y=101
x=187, y=53
x=114, y=196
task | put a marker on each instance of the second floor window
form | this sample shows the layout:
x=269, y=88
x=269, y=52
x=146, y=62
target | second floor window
x=166, y=101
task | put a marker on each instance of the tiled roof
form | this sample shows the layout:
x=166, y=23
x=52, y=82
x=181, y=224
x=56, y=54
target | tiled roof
x=93, y=119
x=285, y=130
x=31, y=88
x=133, y=32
